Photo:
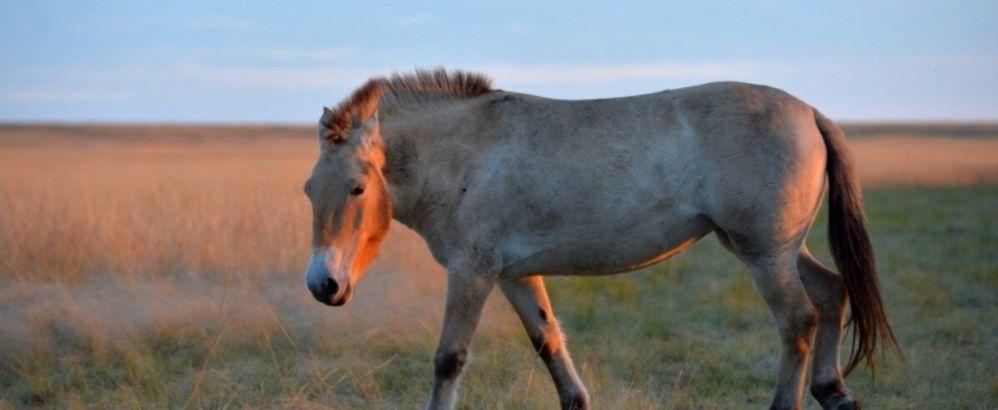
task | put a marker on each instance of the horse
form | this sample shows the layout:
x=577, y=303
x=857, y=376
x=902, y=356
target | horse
x=507, y=187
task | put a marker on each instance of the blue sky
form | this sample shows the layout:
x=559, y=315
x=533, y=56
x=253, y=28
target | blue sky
x=201, y=61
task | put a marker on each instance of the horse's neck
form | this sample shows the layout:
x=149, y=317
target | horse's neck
x=399, y=176
x=418, y=163
x=405, y=172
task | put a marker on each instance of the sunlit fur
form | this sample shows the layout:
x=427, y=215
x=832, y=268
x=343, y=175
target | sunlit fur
x=347, y=226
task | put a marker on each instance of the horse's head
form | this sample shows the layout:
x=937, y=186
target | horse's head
x=351, y=206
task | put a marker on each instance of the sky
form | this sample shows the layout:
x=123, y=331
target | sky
x=280, y=62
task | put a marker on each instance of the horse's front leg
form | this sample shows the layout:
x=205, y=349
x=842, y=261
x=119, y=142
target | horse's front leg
x=530, y=300
x=468, y=286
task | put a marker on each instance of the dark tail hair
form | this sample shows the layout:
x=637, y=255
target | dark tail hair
x=852, y=251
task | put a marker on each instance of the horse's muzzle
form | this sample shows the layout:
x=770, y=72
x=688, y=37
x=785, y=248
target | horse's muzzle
x=324, y=287
x=329, y=293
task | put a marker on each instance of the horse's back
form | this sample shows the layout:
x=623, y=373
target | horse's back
x=662, y=142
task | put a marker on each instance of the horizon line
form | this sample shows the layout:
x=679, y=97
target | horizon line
x=296, y=124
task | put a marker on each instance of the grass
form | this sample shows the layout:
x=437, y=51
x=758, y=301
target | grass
x=164, y=270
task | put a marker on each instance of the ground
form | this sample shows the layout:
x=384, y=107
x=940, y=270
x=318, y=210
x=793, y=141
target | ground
x=163, y=267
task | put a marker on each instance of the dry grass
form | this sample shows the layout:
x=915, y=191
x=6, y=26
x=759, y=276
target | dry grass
x=926, y=161
x=163, y=266
x=153, y=208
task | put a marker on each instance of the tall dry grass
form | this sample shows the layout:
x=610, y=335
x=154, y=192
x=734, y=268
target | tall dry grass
x=894, y=160
x=194, y=208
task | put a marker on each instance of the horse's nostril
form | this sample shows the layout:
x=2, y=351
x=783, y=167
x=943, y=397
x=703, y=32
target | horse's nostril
x=330, y=287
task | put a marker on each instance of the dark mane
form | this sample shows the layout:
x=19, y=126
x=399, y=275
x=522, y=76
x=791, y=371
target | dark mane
x=424, y=85
x=401, y=89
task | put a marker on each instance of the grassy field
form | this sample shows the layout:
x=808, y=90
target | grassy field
x=163, y=267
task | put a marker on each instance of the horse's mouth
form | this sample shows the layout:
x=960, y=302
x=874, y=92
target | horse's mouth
x=343, y=298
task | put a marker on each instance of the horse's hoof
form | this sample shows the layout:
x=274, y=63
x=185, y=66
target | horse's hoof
x=840, y=402
x=833, y=396
x=575, y=401
x=848, y=404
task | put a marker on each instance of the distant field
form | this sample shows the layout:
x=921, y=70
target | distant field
x=936, y=130
x=162, y=266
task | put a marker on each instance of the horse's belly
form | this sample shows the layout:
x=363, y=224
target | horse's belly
x=601, y=253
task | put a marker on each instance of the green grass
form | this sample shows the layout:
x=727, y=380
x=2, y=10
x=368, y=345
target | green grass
x=691, y=332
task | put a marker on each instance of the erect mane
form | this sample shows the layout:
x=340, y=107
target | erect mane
x=402, y=89
x=428, y=85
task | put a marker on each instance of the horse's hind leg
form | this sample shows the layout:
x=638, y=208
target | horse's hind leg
x=774, y=271
x=827, y=291
x=530, y=300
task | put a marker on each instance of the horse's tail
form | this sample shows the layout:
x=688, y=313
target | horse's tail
x=852, y=251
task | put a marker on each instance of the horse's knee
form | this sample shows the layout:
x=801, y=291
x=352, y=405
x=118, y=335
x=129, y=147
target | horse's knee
x=832, y=310
x=798, y=327
x=807, y=320
x=448, y=364
x=825, y=288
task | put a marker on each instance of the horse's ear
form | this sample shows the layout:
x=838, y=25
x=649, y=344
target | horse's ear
x=327, y=116
x=372, y=121
x=356, y=121
x=366, y=122
x=366, y=109
x=372, y=131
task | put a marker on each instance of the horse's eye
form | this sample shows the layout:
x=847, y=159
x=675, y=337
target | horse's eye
x=357, y=190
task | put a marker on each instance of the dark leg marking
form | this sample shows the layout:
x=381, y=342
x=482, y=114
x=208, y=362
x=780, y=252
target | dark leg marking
x=544, y=315
x=546, y=350
x=448, y=366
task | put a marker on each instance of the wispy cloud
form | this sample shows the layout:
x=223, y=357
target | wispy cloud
x=222, y=23
x=596, y=73
x=53, y=95
x=290, y=54
x=291, y=78
x=414, y=20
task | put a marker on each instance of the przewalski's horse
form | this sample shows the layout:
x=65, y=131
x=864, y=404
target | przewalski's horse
x=508, y=187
